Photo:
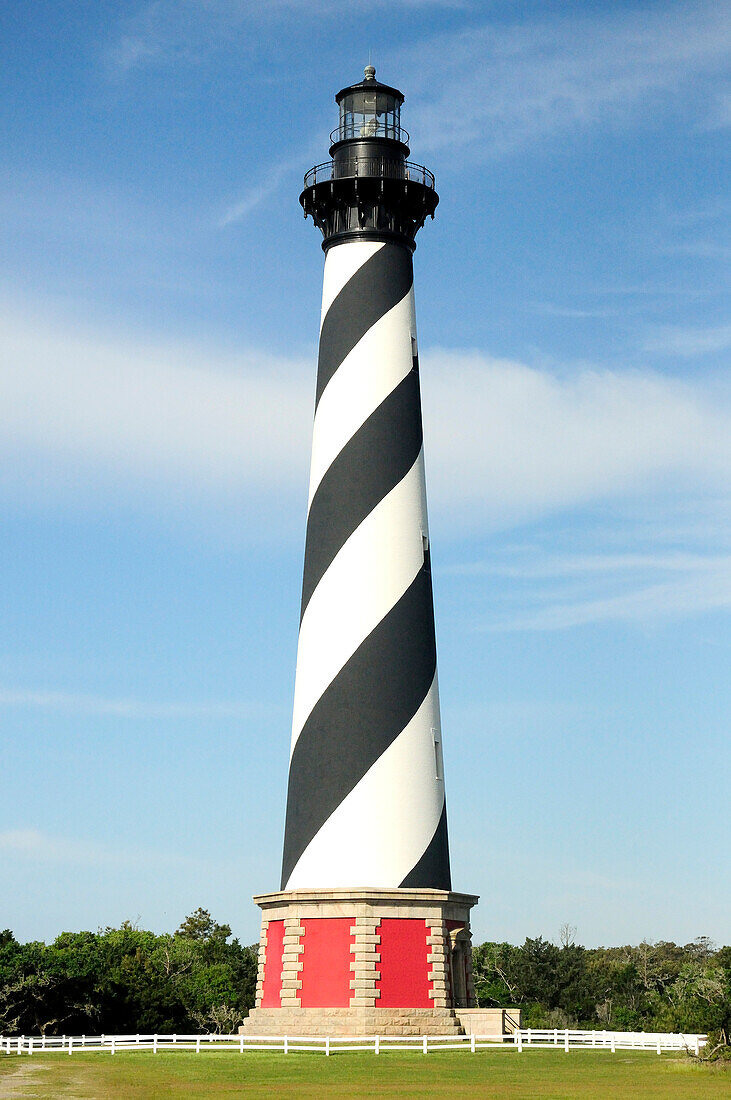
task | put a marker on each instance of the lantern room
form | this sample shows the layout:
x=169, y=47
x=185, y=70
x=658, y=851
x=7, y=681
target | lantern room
x=369, y=110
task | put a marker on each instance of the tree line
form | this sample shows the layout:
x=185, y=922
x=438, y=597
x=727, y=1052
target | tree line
x=127, y=980
x=200, y=979
x=648, y=987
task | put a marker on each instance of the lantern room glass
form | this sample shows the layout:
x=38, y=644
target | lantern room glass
x=369, y=113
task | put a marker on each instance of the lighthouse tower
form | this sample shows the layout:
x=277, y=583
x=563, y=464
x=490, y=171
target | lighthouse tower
x=366, y=921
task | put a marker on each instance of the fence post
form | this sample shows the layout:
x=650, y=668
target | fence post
x=424, y=1046
x=472, y=1042
x=658, y=1047
x=555, y=1037
x=241, y=1043
x=71, y=1044
x=113, y=1041
x=327, y=1045
x=154, y=1044
x=286, y=1045
x=520, y=1041
x=30, y=1045
x=566, y=1041
x=614, y=1044
x=377, y=1045
x=198, y=1044
x=43, y=1041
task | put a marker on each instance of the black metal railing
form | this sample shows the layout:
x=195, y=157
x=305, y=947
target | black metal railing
x=369, y=128
x=354, y=167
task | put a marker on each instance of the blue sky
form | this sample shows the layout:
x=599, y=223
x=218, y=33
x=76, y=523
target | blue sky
x=159, y=304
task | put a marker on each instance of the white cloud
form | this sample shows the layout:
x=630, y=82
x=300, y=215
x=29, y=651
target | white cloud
x=83, y=415
x=501, y=87
x=508, y=443
x=89, y=419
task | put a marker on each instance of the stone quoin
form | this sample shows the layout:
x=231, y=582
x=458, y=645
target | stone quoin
x=365, y=935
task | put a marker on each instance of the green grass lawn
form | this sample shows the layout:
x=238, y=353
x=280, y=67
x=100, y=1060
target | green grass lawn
x=507, y=1075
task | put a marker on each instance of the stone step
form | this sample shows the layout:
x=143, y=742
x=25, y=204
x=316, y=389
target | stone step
x=347, y=1021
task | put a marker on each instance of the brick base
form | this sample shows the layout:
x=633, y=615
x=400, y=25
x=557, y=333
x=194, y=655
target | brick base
x=409, y=947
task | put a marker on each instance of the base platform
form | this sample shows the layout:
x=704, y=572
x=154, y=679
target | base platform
x=363, y=962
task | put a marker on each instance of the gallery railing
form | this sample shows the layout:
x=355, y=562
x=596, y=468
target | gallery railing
x=384, y=167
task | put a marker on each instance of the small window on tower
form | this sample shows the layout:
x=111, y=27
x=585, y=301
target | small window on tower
x=438, y=766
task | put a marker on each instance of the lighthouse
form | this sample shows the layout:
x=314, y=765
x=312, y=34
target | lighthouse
x=365, y=921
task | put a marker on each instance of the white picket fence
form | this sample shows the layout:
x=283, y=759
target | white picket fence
x=520, y=1040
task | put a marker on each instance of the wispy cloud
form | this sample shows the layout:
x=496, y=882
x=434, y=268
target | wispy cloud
x=43, y=847
x=700, y=249
x=689, y=342
x=720, y=114
x=261, y=191
x=562, y=566
x=501, y=87
x=186, y=30
x=628, y=571
x=75, y=703
x=570, y=313
x=695, y=593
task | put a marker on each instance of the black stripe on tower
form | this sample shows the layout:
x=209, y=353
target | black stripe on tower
x=369, y=703
x=432, y=870
x=372, y=463
x=377, y=286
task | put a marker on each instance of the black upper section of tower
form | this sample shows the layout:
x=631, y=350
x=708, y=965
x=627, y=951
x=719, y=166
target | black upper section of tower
x=369, y=190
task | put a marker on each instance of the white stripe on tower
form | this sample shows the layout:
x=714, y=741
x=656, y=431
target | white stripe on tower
x=366, y=795
x=341, y=614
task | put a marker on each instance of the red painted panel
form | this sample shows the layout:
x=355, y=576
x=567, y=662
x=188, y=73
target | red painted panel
x=404, y=981
x=271, y=993
x=326, y=973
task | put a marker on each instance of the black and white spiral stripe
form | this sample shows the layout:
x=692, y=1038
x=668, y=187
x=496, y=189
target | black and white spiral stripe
x=366, y=802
